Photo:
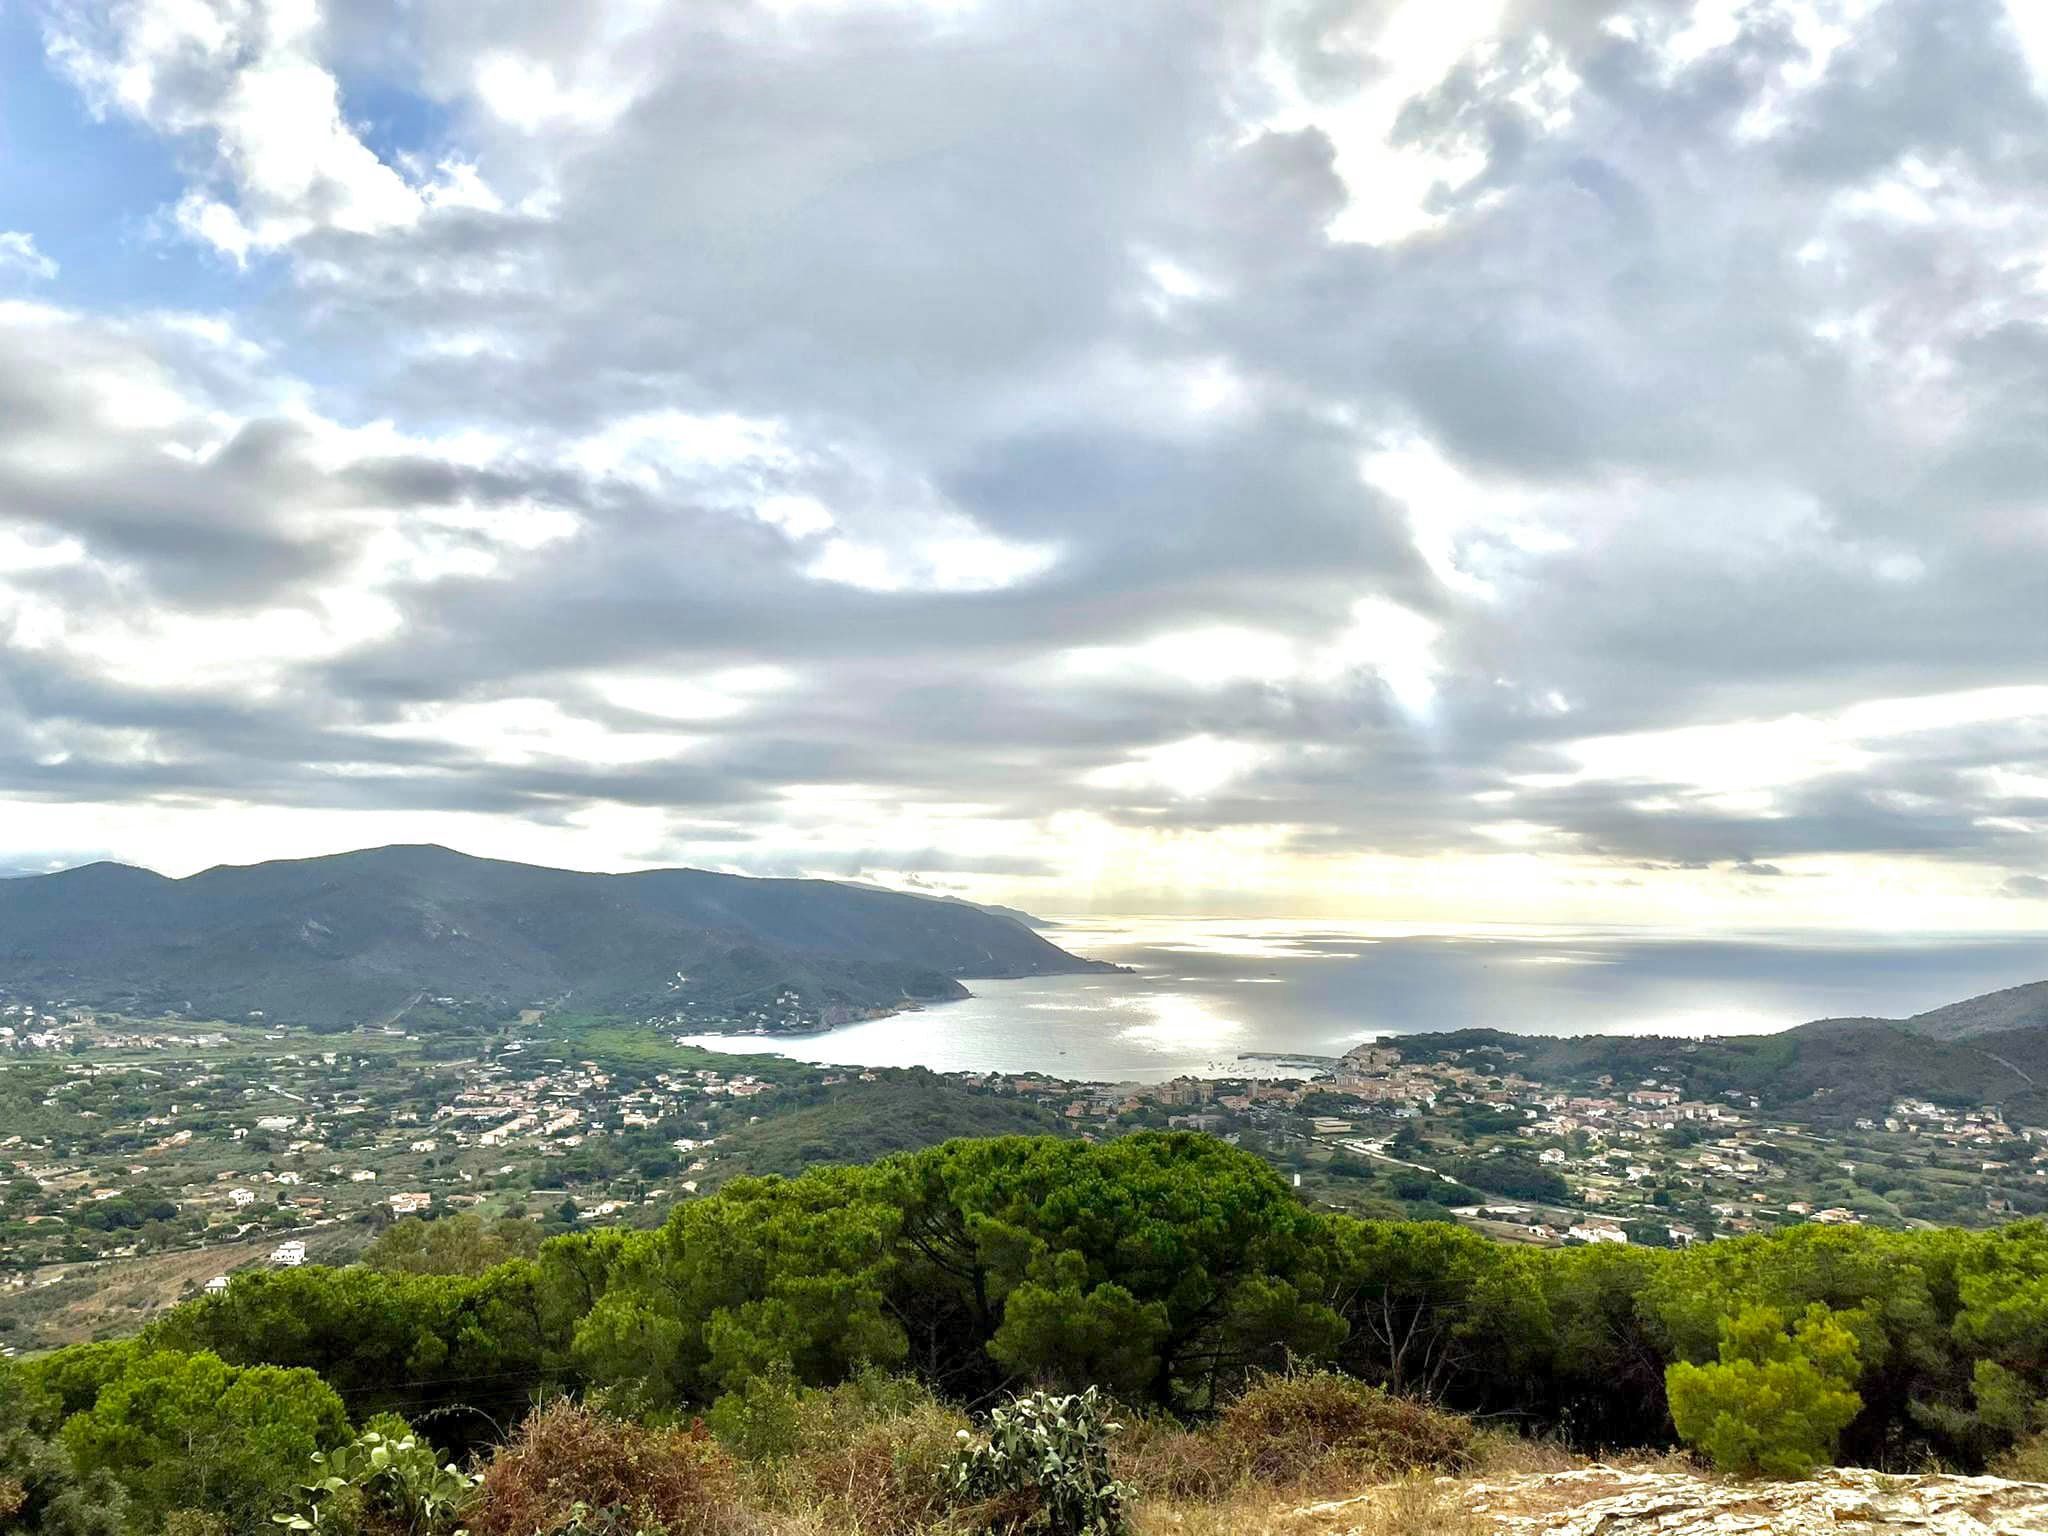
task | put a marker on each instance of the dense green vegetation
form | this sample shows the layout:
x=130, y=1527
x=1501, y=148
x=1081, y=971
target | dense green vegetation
x=859, y=1122
x=1167, y=1269
x=1830, y=1072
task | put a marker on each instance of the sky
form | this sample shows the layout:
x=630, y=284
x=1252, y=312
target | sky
x=1449, y=460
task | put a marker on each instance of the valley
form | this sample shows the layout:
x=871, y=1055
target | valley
x=144, y=1157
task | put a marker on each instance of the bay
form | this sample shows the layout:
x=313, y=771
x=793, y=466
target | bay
x=1204, y=991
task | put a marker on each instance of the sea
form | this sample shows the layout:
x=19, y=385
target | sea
x=1216, y=996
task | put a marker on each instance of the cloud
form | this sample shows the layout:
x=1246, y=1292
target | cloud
x=244, y=83
x=1230, y=449
x=19, y=256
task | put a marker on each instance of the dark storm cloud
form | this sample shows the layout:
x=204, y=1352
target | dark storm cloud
x=1729, y=353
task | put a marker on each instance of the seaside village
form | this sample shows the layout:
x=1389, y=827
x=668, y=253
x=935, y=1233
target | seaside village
x=181, y=1142
x=1623, y=1153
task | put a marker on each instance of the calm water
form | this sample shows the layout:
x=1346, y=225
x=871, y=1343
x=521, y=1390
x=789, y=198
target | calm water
x=1205, y=990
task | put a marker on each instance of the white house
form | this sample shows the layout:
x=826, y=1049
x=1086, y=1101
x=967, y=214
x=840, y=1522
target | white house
x=1597, y=1234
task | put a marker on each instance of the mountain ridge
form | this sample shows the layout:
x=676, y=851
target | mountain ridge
x=352, y=936
x=1989, y=1013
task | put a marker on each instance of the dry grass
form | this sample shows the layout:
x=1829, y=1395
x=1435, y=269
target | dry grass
x=1306, y=1434
x=1415, y=1506
x=72, y=1304
x=877, y=1479
x=1498, y=1453
x=867, y=1458
x=678, y=1482
x=1675, y=1460
x=2026, y=1462
x=1304, y=1455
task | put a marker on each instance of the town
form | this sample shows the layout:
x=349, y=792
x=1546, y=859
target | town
x=146, y=1160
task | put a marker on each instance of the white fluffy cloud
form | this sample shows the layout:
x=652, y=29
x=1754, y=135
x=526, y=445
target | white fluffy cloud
x=20, y=258
x=1520, y=452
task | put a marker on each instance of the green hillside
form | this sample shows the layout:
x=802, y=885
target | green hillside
x=1993, y=1013
x=357, y=937
x=1830, y=1071
x=858, y=1122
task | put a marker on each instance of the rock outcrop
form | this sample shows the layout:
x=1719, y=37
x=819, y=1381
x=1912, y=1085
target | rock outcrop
x=1612, y=1501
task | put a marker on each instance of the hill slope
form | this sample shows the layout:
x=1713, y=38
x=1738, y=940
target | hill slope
x=357, y=936
x=1993, y=1013
x=1830, y=1071
x=861, y=1122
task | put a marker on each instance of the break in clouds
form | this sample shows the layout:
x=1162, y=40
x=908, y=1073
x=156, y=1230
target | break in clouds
x=1505, y=457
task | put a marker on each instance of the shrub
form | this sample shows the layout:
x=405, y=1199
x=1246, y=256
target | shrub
x=1777, y=1401
x=761, y=1420
x=2026, y=1462
x=1161, y=1458
x=571, y=1470
x=391, y=1475
x=1287, y=1431
x=185, y=1432
x=41, y=1494
x=1289, y=1426
x=872, y=1455
x=1045, y=1467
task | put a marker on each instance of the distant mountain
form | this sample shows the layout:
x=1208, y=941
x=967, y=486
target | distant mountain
x=1994, y=1013
x=1014, y=914
x=355, y=937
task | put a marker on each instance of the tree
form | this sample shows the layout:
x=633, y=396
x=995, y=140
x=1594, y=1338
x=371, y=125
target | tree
x=425, y=1343
x=1405, y=1289
x=41, y=1493
x=183, y=1431
x=1777, y=1400
x=1030, y=1253
x=456, y=1245
x=773, y=1271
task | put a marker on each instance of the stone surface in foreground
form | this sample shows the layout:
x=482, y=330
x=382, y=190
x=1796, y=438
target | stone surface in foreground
x=1610, y=1501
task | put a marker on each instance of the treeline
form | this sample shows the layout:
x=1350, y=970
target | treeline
x=1165, y=1268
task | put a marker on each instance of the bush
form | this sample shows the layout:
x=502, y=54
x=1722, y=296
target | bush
x=388, y=1473
x=760, y=1422
x=1777, y=1401
x=191, y=1432
x=870, y=1456
x=2026, y=1462
x=1045, y=1467
x=1159, y=1458
x=571, y=1470
x=41, y=1494
x=1288, y=1426
x=1290, y=1431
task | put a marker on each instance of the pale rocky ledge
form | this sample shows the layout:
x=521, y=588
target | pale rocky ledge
x=1609, y=1501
